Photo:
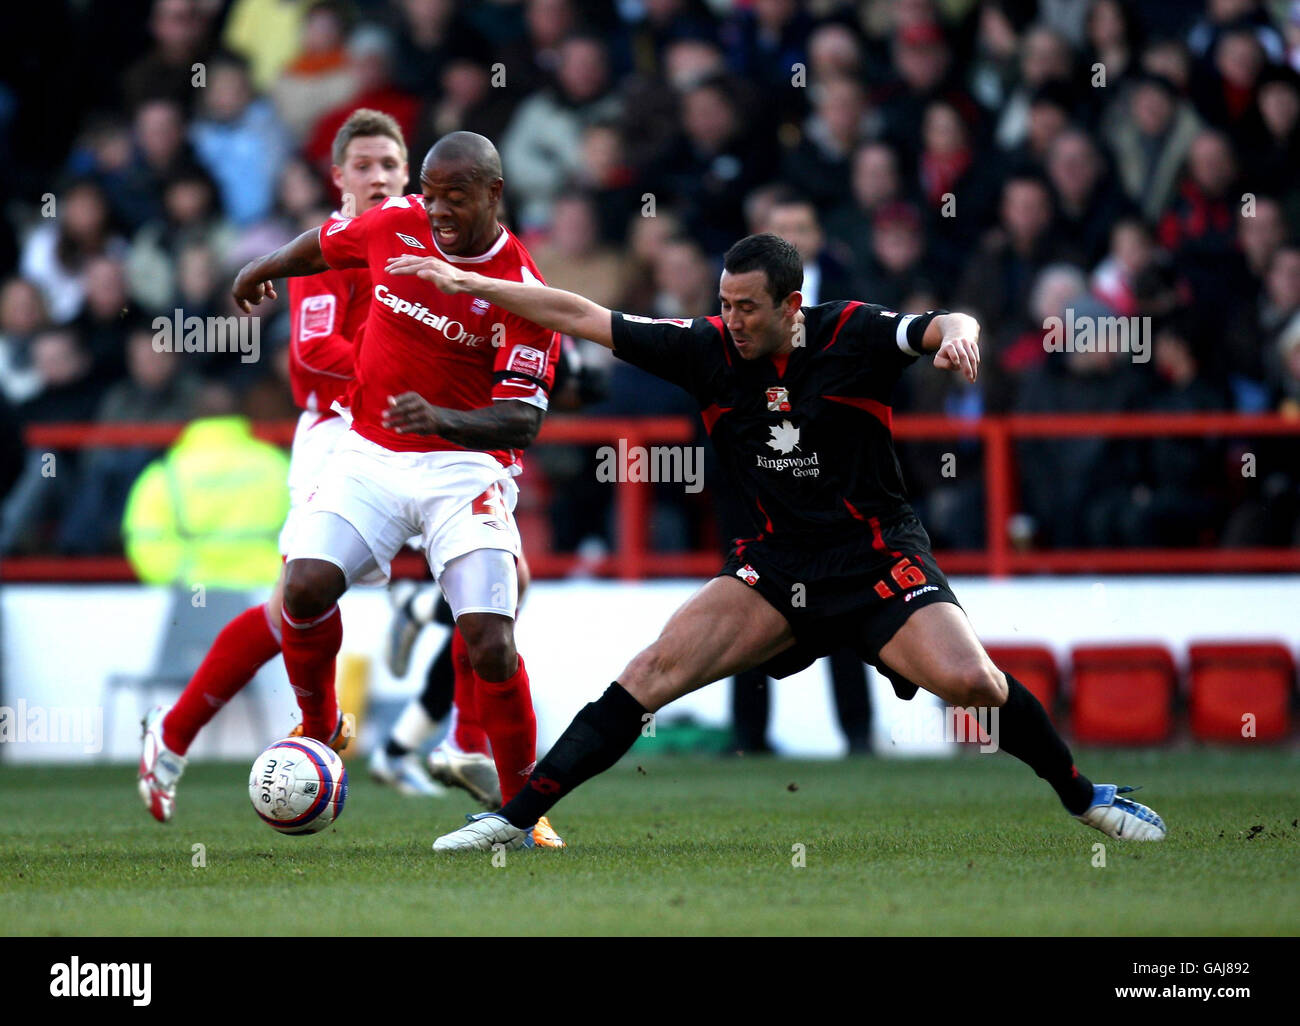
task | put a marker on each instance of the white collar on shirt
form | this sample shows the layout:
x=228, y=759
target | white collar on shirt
x=482, y=258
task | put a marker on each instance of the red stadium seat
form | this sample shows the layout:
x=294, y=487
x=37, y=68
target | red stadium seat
x=1033, y=665
x=1232, y=679
x=1122, y=694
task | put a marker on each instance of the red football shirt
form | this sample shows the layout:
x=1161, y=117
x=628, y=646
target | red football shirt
x=458, y=352
x=326, y=313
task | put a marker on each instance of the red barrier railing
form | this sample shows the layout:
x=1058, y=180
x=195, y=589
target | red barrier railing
x=1000, y=433
x=632, y=558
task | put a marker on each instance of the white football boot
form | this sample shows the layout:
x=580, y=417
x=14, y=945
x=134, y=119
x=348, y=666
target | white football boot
x=482, y=832
x=1122, y=818
x=473, y=771
x=160, y=769
x=404, y=774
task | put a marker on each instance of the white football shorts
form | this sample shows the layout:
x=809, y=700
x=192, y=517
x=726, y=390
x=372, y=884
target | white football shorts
x=313, y=440
x=455, y=502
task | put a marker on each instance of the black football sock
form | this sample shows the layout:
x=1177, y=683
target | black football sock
x=1023, y=730
x=597, y=738
x=395, y=749
x=439, y=684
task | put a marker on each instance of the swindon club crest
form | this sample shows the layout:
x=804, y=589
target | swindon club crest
x=778, y=399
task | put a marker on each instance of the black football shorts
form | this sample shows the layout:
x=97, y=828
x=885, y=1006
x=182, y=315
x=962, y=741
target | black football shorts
x=856, y=594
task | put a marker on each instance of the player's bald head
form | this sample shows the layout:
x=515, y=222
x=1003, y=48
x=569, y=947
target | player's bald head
x=464, y=150
x=461, y=183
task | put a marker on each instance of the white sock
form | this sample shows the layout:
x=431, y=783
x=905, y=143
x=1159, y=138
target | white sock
x=424, y=603
x=413, y=727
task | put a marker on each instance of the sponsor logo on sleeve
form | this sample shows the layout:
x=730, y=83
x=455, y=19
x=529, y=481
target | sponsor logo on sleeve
x=316, y=317
x=528, y=361
x=338, y=226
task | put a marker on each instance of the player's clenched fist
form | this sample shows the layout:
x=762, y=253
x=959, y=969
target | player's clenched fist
x=249, y=290
x=448, y=279
x=409, y=414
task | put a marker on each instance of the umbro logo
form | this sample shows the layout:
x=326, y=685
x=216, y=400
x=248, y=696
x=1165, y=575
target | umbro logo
x=410, y=241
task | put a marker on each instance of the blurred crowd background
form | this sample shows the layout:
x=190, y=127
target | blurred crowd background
x=1011, y=158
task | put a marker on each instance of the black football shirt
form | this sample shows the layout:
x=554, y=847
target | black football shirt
x=805, y=440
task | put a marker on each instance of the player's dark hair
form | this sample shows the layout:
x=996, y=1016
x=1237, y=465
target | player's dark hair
x=772, y=255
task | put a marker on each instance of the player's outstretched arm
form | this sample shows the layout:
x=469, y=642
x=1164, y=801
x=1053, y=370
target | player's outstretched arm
x=300, y=257
x=954, y=338
x=554, y=309
x=503, y=425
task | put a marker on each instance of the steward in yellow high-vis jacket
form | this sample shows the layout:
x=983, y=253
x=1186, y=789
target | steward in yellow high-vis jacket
x=209, y=512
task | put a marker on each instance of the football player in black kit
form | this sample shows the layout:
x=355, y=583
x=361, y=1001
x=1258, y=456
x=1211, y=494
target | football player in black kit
x=796, y=402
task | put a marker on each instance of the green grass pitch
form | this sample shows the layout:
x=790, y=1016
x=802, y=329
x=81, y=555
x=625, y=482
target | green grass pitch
x=675, y=845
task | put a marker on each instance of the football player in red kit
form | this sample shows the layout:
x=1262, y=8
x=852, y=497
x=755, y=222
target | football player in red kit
x=447, y=391
x=327, y=311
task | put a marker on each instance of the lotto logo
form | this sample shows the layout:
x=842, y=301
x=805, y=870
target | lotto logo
x=748, y=574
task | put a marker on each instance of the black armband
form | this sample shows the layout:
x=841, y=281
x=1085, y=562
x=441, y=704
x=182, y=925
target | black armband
x=911, y=329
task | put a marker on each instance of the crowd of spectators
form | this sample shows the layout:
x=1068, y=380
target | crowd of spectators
x=1013, y=158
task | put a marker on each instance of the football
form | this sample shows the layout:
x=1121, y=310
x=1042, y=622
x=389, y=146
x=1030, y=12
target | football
x=298, y=786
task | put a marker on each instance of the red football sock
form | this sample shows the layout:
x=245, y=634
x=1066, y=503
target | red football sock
x=241, y=649
x=310, y=650
x=506, y=708
x=469, y=735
